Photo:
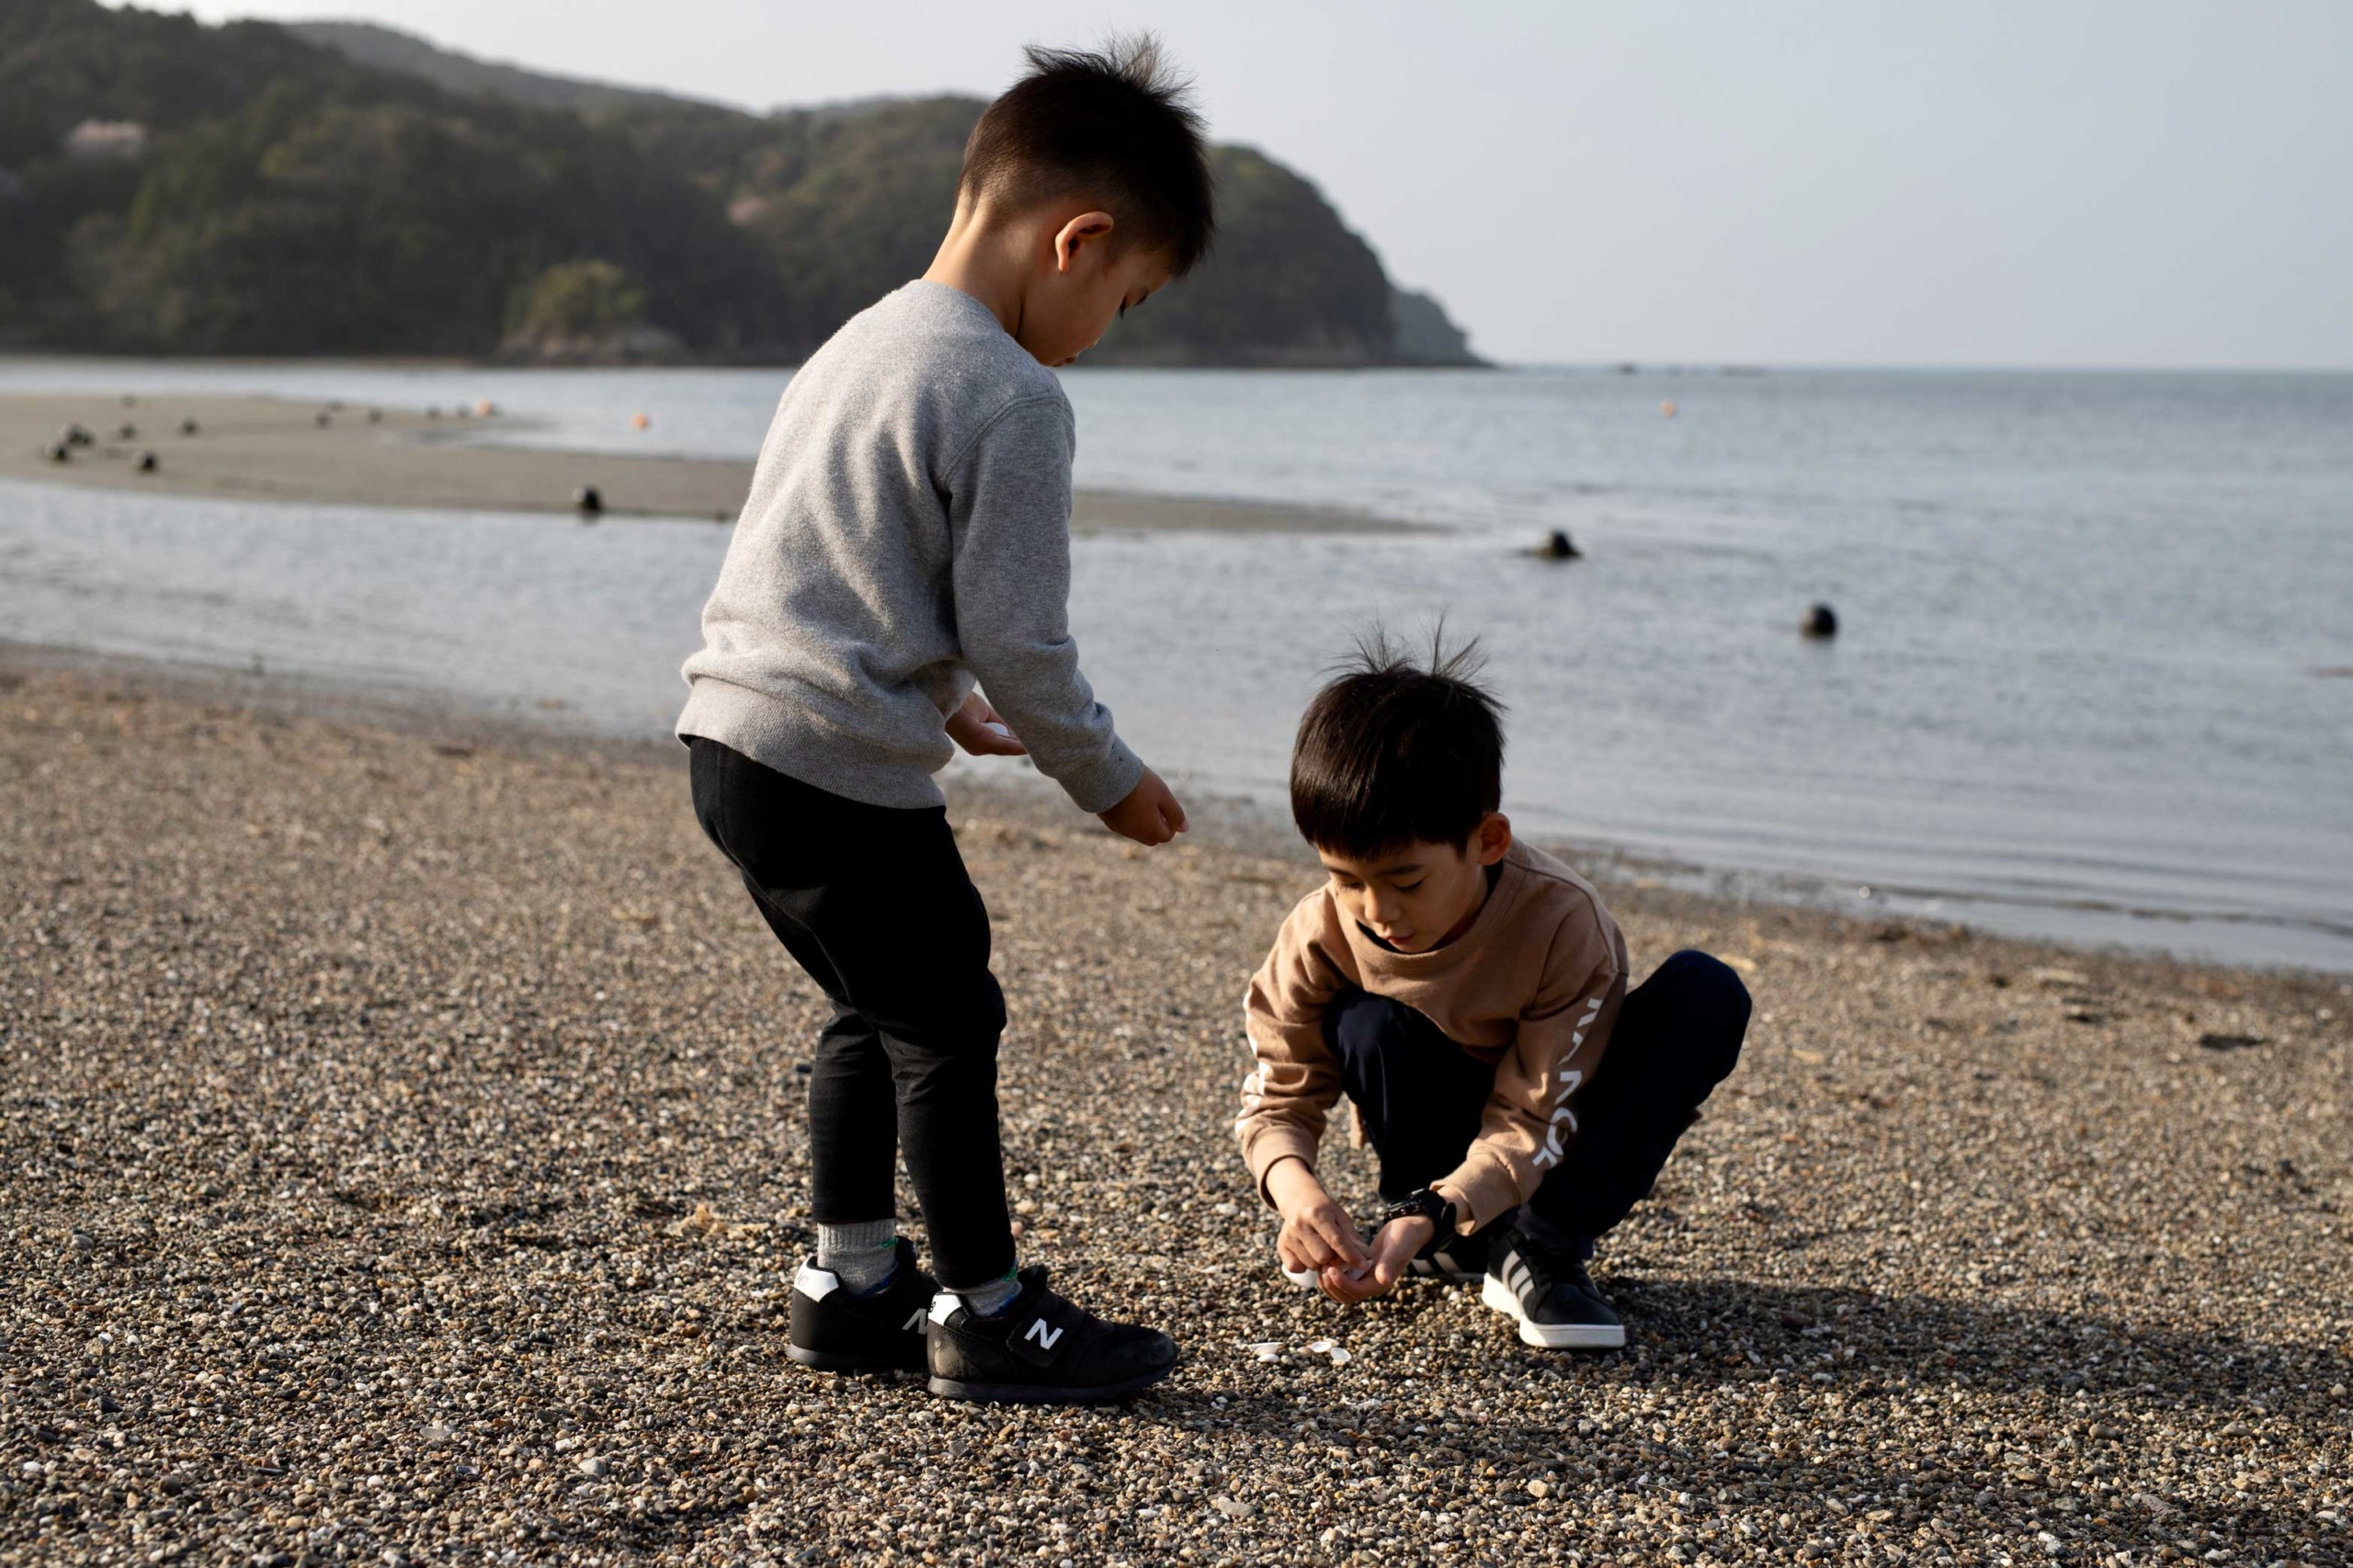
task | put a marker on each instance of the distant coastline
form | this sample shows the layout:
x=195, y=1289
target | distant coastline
x=347, y=190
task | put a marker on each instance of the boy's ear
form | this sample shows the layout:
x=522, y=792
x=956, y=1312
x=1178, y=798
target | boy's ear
x=1087, y=229
x=1491, y=840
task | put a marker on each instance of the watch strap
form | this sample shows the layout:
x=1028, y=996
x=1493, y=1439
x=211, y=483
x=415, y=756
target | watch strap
x=1431, y=1205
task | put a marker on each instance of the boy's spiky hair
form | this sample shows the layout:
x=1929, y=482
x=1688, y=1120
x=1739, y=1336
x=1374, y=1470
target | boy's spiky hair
x=1115, y=124
x=1393, y=751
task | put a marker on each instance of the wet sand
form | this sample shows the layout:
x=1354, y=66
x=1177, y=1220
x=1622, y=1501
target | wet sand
x=262, y=449
x=405, y=1162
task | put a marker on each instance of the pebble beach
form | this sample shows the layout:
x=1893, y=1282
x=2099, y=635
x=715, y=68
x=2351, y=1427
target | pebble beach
x=403, y=1144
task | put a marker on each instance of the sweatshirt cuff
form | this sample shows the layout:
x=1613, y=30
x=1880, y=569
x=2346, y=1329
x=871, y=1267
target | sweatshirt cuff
x=1270, y=1147
x=1102, y=784
x=1485, y=1184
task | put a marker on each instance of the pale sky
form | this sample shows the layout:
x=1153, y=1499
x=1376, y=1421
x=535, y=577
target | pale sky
x=2152, y=183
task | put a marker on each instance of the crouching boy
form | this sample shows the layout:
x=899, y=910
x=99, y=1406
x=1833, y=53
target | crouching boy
x=1469, y=995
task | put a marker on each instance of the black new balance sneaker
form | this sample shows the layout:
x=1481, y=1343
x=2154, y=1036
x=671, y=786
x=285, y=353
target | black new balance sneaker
x=836, y=1331
x=1042, y=1349
x=1549, y=1294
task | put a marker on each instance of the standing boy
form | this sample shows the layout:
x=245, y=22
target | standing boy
x=907, y=534
x=1469, y=994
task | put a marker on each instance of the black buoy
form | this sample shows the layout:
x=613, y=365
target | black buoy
x=375, y=416
x=127, y=432
x=74, y=435
x=145, y=462
x=1558, y=546
x=1821, y=621
x=589, y=502
x=187, y=426
x=323, y=419
x=58, y=452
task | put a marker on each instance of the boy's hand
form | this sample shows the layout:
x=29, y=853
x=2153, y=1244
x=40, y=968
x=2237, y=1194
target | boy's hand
x=976, y=727
x=1316, y=1232
x=1393, y=1254
x=1149, y=815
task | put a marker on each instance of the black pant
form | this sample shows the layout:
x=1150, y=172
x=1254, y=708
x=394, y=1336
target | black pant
x=875, y=904
x=1678, y=1034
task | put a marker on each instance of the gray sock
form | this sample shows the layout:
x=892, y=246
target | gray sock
x=862, y=1256
x=992, y=1298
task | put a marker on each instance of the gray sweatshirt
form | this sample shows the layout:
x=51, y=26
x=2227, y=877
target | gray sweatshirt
x=908, y=531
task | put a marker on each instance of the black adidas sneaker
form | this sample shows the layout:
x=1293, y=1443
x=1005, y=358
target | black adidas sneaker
x=1549, y=1294
x=835, y=1330
x=1458, y=1260
x=1463, y=1260
x=1042, y=1349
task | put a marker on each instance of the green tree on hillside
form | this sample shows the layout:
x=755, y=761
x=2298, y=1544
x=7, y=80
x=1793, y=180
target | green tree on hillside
x=576, y=302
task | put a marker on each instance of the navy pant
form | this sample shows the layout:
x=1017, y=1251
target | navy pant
x=1421, y=1096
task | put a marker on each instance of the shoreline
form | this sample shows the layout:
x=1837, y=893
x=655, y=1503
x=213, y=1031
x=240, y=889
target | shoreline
x=1224, y=817
x=1223, y=821
x=273, y=449
x=407, y=1153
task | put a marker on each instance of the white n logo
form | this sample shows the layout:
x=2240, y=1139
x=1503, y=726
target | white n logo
x=1044, y=1336
x=915, y=1321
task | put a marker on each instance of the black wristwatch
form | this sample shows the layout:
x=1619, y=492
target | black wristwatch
x=1435, y=1207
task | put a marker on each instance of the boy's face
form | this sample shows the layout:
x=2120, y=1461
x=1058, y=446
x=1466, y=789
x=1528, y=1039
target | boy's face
x=1420, y=895
x=1084, y=283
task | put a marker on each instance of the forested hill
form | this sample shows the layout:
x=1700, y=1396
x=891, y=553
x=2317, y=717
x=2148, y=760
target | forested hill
x=171, y=187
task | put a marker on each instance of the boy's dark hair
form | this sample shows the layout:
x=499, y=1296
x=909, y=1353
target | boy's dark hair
x=1393, y=752
x=1114, y=122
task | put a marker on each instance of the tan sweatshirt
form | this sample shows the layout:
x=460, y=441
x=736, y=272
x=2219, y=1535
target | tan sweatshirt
x=1533, y=987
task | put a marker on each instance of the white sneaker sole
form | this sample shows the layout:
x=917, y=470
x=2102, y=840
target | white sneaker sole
x=1497, y=1295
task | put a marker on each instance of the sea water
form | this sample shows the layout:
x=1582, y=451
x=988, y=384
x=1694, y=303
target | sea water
x=2093, y=676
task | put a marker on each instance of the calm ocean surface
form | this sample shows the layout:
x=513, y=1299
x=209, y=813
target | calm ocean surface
x=2095, y=677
